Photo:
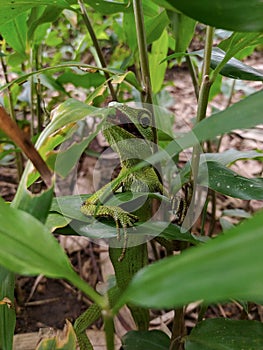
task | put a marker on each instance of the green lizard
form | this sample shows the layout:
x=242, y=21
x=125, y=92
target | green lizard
x=129, y=132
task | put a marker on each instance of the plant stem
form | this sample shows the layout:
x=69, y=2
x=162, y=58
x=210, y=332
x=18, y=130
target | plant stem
x=97, y=46
x=38, y=92
x=202, y=105
x=142, y=45
x=193, y=75
x=144, y=63
x=109, y=328
x=178, y=331
x=18, y=156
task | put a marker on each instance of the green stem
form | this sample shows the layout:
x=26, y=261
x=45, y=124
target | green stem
x=38, y=92
x=18, y=156
x=142, y=45
x=202, y=105
x=144, y=62
x=193, y=75
x=80, y=65
x=88, y=290
x=178, y=331
x=109, y=328
x=97, y=46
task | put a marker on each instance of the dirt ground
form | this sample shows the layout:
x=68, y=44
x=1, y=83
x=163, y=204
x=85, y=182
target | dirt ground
x=45, y=303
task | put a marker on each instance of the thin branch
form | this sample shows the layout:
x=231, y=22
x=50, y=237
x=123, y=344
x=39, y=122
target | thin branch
x=97, y=46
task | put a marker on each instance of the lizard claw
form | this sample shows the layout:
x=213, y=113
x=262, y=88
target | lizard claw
x=122, y=219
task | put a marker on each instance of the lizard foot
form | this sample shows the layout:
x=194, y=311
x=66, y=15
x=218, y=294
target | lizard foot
x=122, y=219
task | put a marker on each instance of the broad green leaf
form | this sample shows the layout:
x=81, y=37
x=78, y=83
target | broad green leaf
x=23, y=78
x=229, y=266
x=62, y=125
x=40, y=16
x=154, y=26
x=226, y=181
x=51, y=83
x=234, y=68
x=55, y=221
x=27, y=247
x=109, y=7
x=15, y=33
x=237, y=43
x=165, y=4
x=150, y=9
x=183, y=30
x=242, y=115
x=13, y=8
x=241, y=41
x=7, y=315
x=64, y=160
x=85, y=80
x=240, y=213
x=69, y=207
x=234, y=15
x=157, y=69
x=231, y=156
x=142, y=340
x=129, y=29
x=223, y=334
x=151, y=229
x=37, y=205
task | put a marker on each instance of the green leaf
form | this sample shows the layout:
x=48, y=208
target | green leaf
x=229, y=266
x=69, y=207
x=24, y=77
x=7, y=315
x=154, y=26
x=13, y=8
x=240, y=213
x=37, y=205
x=165, y=4
x=38, y=17
x=226, y=181
x=85, y=80
x=15, y=33
x=62, y=125
x=27, y=247
x=55, y=221
x=242, y=41
x=222, y=334
x=108, y=7
x=234, y=15
x=234, y=68
x=230, y=156
x=242, y=115
x=157, y=69
x=141, y=340
x=183, y=30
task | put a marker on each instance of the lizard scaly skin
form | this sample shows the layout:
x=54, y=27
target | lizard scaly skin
x=129, y=133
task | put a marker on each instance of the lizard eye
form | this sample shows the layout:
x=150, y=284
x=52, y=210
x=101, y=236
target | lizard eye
x=144, y=120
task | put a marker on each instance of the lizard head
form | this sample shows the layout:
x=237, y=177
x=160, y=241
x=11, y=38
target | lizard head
x=126, y=123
